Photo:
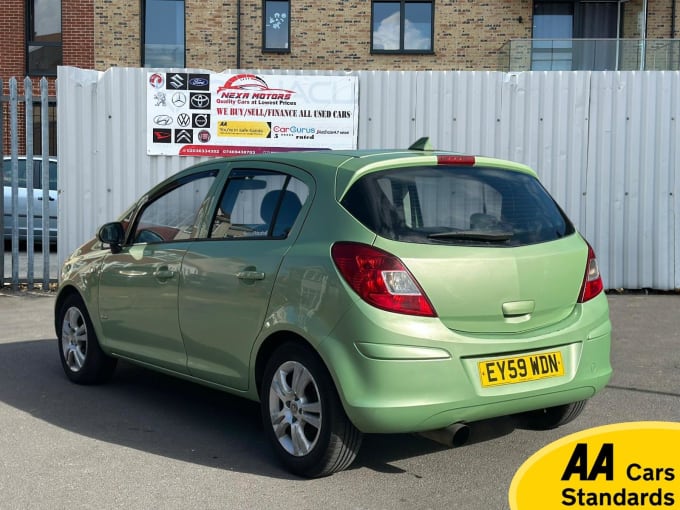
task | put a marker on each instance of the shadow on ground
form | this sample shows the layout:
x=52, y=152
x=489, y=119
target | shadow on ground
x=158, y=414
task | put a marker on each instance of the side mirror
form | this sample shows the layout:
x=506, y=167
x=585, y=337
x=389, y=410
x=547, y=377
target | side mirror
x=112, y=234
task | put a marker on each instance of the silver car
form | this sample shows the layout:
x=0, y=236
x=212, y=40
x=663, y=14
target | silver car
x=21, y=215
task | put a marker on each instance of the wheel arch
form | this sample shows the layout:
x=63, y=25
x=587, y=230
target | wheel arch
x=273, y=342
x=64, y=293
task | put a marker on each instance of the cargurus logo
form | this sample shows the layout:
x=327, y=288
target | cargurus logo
x=295, y=130
x=302, y=130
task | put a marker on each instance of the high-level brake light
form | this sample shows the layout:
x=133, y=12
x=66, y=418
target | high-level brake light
x=455, y=159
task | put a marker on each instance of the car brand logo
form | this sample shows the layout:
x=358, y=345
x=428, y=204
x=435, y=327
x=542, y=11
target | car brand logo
x=179, y=99
x=162, y=120
x=201, y=120
x=159, y=98
x=204, y=136
x=199, y=81
x=177, y=81
x=200, y=101
x=183, y=119
x=156, y=80
x=162, y=135
x=184, y=135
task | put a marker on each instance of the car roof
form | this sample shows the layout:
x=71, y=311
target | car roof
x=347, y=166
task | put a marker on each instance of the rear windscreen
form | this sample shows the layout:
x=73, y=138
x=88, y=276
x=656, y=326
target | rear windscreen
x=457, y=205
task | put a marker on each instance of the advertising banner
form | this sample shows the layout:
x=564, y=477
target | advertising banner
x=204, y=114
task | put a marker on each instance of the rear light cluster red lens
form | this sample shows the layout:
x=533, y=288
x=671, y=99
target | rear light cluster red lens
x=592, y=281
x=381, y=279
x=455, y=159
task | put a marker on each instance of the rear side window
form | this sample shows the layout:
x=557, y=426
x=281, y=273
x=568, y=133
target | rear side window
x=457, y=205
x=258, y=204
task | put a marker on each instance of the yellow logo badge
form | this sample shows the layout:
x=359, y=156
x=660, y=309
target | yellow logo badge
x=626, y=465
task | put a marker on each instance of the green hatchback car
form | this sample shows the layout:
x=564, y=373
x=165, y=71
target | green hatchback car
x=348, y=292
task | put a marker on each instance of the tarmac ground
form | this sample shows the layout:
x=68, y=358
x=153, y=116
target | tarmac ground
x=148, y=441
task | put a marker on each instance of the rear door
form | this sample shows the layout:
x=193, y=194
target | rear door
x=228, y=277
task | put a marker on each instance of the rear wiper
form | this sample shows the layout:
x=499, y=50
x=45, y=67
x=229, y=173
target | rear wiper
x=473, y=235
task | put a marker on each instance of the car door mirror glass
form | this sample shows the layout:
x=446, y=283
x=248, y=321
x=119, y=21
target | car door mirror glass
x=112, y=234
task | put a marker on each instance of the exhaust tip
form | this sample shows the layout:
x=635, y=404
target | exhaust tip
x=461, y=434
x=452, y=436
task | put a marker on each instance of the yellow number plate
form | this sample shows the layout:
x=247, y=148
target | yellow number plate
x=531, y=367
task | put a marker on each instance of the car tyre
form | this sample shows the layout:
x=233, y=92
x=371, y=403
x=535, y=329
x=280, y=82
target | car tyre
x=82, y=358
x=553, y=417
x=302, y=414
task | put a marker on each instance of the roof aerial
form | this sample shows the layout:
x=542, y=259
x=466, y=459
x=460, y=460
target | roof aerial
x=422, y=144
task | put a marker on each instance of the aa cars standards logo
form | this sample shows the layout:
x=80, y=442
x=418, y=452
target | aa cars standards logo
x=626, y=465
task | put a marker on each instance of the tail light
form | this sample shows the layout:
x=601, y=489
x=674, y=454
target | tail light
x=592, y=281
x=381, y=279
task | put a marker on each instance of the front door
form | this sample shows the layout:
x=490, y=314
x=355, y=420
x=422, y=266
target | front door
x=139, y=286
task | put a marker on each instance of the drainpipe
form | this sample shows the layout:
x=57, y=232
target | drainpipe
x=238, y=34
x=618, y=34
x=673, y=46
x=643, y=46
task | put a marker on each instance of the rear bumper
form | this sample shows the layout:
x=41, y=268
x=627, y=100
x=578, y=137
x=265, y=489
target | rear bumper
x=404, y=375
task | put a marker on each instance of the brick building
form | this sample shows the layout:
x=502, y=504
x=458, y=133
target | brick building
x=372, y=35
x=38, y=35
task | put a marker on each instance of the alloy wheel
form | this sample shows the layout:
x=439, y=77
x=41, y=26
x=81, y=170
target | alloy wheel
x=74, y=339
x=295, y=408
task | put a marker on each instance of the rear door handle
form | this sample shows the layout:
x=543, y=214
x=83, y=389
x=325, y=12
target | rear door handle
x=250, y=275
x=51, y=199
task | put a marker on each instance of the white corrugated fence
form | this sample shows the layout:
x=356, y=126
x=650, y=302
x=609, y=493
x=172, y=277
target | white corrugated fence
x=606, y=145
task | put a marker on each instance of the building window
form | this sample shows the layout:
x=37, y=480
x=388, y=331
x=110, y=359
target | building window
x=276, y=26
x=571, y=35
x=405, y=26
x=43, y=38
x=163, y=33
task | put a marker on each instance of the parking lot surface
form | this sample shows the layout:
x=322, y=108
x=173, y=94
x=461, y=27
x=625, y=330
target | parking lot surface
x=148, y=441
